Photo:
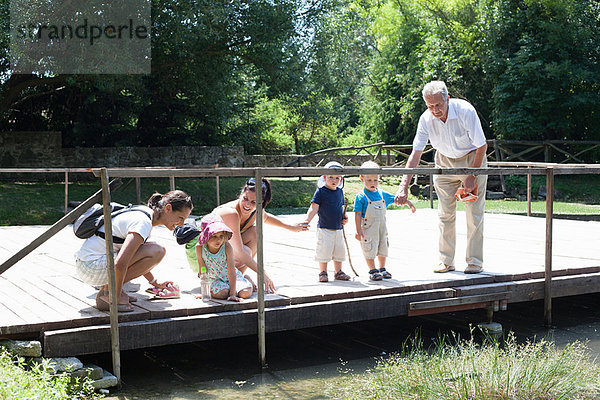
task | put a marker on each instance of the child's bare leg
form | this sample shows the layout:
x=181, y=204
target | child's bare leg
x=220, y=295
x=337, y=266
x=245, y=293
x=339, y=274
x=323, y=266
x=382, y=270
x=254, y=287
x=370, y=263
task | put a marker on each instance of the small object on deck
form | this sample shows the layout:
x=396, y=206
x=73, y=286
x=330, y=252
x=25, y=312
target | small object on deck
x=170, y=292
x=205, y=285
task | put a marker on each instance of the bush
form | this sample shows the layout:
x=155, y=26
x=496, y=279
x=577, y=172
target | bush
x=17, y=383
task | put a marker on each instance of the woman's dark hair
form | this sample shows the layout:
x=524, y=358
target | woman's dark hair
x=266, y=189
x=178, y=199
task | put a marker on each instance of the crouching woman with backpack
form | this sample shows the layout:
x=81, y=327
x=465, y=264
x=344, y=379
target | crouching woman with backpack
x=135, y=256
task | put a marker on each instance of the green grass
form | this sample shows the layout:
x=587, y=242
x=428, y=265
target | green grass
x=464, y=370
x=19, y=383
x=43, y=203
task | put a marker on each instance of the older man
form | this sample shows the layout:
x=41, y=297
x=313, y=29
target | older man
x=453, y=128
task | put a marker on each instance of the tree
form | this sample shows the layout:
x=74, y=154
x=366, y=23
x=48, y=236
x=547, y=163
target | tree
x=545, y=57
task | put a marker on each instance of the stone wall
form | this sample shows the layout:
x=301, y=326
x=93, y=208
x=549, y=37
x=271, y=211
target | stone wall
x=181, y=156
x=44, y=150
x=30, y=149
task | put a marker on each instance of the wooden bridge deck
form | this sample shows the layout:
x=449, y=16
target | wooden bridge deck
x=41, y=296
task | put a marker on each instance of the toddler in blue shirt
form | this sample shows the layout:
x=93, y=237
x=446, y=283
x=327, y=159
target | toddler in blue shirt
x=328, y=203
x=369, y=216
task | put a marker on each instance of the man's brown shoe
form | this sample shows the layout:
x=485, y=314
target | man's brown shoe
x=443, y=268
x=473, y=269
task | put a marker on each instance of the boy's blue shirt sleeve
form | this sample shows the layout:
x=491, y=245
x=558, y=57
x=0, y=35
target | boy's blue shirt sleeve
x=388, y=198
x=360, y=203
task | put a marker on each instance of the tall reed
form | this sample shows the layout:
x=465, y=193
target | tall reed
x=454, y=369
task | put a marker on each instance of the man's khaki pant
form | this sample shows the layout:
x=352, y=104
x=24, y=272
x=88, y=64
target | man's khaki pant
x=446, y=187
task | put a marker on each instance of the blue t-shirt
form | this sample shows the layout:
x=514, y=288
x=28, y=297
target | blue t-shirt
x=331, y=207
x=361, y=202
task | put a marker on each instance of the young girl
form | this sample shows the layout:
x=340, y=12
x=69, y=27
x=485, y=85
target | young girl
x=216, y=255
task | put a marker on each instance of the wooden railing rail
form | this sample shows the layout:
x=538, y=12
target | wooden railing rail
x=498, y=150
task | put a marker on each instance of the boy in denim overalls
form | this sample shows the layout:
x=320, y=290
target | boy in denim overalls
x=369, y=215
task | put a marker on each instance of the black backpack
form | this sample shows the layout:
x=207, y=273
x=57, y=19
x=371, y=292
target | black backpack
x=89, y=222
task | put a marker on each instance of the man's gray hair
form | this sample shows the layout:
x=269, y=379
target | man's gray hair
x=435, y=87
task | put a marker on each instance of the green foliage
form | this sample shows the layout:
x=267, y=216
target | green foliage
x=206, y=58
x=19, y=383
x=544, y=56
x=294, y=76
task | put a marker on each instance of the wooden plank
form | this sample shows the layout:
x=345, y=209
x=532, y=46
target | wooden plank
x=61, y=297
x=60, y=310
x=454, y=301
x=74, y=287
x=448, y=308
x=18, y=303
x=142, y=334
x=8, y=319
x=347, y=171
x=58, y=226
x=483, y=289
x=570, y=285
x=295, y=272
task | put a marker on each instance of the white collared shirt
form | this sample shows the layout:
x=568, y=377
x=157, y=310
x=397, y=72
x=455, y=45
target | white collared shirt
x=455, y=138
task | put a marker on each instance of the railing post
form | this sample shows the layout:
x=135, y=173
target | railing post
x=66, y=191
x=529, y=194
x=112, y=281
x=138, y=190
x=548, y=262
x=499, y=158
x=172, y=183
x=260, y=270
x=218, y=191
x=431, y=191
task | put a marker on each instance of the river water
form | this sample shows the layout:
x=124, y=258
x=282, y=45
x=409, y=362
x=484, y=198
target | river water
x=301, y=364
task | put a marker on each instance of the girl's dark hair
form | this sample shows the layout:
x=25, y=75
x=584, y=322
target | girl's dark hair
x=266, y=189
x=178, y=199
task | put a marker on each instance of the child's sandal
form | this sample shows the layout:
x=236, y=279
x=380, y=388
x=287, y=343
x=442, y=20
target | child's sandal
x=341, y=276
x=385, y=274
x=323, y=277
x=170, y=292
x=374, y=275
